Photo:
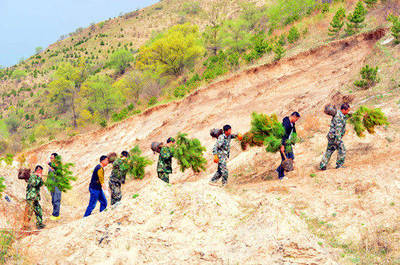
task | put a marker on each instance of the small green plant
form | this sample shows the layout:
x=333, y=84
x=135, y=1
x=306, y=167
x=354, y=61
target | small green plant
x=152, y=101
x=313, y=175
x=356, y=19
x=6, y=240
x=9, y=158
x=395, y=28
x=337, y=22
x=369, y=77
x=103, y=123
x=279, y=51
x=134, y=196
x=293, y=35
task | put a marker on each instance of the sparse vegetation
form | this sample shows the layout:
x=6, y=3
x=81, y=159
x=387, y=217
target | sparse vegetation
x=369, y=77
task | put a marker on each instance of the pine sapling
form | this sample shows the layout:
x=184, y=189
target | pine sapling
x=189, y=153
x=136, y=163
x=61, y=175
x=279, y=51
x=356, y=19
x=337, y=22
x=293, y=35
x=369, y=77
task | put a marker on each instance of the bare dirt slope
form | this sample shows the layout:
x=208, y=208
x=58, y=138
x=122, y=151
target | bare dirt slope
x=256, y=219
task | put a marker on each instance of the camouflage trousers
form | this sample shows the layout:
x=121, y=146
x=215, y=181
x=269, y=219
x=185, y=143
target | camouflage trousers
x=163, y=176
x=33, y=206
x=222, y=171
x=116, y=194
x=332, y=147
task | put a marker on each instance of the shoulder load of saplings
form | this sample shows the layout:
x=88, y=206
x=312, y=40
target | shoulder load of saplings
x=363, y=119
x=136, y=163
x=266, y=131
x=188, y=152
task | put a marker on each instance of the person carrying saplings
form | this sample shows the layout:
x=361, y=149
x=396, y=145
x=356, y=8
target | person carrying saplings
x=286, y=150
x=221, y=153
x=35, y=182
x=164, y=166
x=335, y=135
x=118, y=175
x=56, y=194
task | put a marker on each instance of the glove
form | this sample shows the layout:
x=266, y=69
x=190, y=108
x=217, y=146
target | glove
x=240, y=137
x=216, y=159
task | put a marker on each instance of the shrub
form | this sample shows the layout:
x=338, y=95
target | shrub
x=18, y=74
x=365, y=119
x=369, y=77
x=191, y=7
x=189, y=153
x=370, y=3
x=103, y=123
x=6, y=241
x=61, y=177
x=293, y=35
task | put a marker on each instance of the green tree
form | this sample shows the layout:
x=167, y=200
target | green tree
x=395, y=28
x=337, y=22
x=131, y=85
x=100, y=96
x=212, y=33
x=120, y=60
x=173, y=51
x=356, y=19
x=236, y=35
x=365, y=119
x=65, y=87
x=293, y=35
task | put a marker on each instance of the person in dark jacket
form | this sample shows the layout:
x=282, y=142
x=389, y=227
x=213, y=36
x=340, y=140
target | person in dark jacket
x=97, y=188
x=286, y=150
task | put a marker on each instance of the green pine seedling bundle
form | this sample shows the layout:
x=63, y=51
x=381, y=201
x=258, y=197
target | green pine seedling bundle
x=189, y=153
x=136, y=164
x=366, y=119
x=61, y=176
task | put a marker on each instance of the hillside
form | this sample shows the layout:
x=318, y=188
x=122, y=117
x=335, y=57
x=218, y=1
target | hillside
x=119, y=76
x=345, y=216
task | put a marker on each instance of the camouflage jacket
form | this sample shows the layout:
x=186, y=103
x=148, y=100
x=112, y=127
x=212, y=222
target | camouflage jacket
x=33, y=188
x=165, y=160
x=119, y=170
x=338, y=127
x=222, y=147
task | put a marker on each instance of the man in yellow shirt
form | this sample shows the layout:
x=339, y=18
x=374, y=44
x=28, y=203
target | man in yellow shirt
x=97, y=188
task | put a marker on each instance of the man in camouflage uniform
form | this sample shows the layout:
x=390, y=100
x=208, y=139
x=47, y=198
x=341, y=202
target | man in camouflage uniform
x=221, y=153
x=335, y=135
x=117, y=178
x=164, y=166
x=35, y=182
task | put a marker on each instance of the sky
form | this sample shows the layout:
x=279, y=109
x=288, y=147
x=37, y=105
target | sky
x=27, y=24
